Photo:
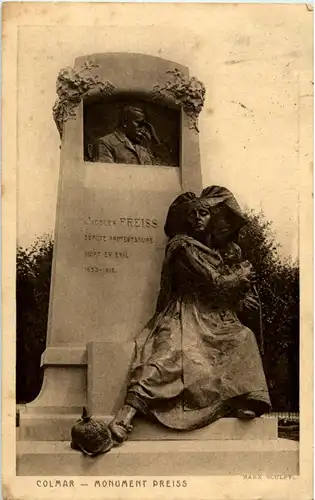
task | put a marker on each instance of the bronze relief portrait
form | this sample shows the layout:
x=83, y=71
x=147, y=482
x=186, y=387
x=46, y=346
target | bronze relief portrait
x=138, y=133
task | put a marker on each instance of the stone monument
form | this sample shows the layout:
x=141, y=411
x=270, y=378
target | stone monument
x=140, y=114
x=109, y=238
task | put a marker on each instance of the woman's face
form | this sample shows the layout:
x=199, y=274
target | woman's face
x=199, y=219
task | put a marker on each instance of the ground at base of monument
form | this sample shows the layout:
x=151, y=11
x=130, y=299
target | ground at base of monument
x=163, y=458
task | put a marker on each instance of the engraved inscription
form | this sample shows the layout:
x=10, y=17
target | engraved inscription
x=103, y=261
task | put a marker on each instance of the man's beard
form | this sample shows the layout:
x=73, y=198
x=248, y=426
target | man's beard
x=141, y=138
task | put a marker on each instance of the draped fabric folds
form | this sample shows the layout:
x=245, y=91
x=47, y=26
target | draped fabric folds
x=195, y=361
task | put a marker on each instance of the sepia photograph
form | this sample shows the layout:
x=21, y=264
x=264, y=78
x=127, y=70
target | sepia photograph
x=157, y=250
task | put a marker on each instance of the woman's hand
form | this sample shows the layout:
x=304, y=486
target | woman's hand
x=248, y=272
x=244, y=273
x=251, y=303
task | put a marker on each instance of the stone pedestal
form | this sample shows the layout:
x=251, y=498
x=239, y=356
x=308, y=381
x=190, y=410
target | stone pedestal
x=108, y=370
x=109, y=237
x=162, y=458
x=35, y=428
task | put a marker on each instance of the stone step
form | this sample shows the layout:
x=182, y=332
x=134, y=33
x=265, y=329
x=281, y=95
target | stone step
x=36, y=427
x=164, y=458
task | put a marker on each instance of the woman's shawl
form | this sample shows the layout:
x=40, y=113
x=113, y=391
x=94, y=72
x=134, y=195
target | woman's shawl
x=180, y=241
x=167, y=299
x=209, y=264
x=176, y=229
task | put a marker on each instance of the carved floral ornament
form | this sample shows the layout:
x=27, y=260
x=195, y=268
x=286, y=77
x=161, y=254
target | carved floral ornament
x=73, y=86
x=189, y=93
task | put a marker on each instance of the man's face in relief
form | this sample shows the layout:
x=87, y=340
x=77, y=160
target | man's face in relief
x=199, y=219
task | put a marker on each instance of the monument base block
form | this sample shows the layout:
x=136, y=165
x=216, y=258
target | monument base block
x=164, y=458
x=37, y=427
x=228, y=446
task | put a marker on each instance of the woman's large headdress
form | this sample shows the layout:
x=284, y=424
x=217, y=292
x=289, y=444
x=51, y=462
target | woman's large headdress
x=211, y=197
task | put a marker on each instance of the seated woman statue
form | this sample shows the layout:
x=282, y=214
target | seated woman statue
x=195, y=362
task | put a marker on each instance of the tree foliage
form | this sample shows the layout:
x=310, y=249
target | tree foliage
x=32, y=299
x=278, y=287
x=277, y=282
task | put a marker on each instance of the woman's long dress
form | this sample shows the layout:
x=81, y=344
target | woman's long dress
x=195, y=362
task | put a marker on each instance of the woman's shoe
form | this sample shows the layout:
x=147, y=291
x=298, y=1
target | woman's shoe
x=120, y=427
x=245, y=414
